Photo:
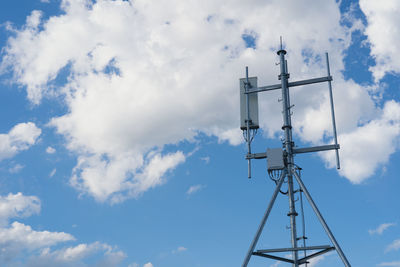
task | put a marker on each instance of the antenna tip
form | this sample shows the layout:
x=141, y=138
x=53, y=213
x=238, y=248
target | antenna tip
x=281, y=50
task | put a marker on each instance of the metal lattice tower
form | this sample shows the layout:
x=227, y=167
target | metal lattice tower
x=281, y=165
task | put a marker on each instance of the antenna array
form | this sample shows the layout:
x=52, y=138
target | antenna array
x=281, y=165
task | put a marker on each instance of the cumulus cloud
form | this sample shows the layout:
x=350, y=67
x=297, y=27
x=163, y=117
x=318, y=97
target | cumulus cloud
x=164, y=71
x=383, y=35
x=18, y=237
x=112, y=178
x=19, y=138
x=17, y=206
x=370, y=145
x=20, y=243
x=74, y=256
x=381, y=228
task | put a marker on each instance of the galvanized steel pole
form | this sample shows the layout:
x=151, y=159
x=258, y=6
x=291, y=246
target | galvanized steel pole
x=246, y=87
x=332, y=111
x=288, y=143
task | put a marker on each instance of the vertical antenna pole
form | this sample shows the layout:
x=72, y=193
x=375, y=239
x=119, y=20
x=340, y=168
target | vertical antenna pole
x=288, y=144
x=332, y=111
x=247, y=85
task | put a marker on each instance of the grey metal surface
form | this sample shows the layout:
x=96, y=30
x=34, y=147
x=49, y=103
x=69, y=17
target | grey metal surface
x=256, y=156
x=253, y=105
x=322, y=221
x=288, y=167
x=315, y=149
x=263, y=221
x=310, y=81
x=290, y=84
x=288, y=144
x=292, y=249
x=273, y=257
x=332, y=111
x=275, y=159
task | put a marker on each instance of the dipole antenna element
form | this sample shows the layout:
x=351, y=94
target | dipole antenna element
x=281, y=165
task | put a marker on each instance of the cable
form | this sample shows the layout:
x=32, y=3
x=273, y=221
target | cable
x=275, y=176
x=302, y=215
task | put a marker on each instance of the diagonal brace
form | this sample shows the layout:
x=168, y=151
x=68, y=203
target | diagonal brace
x=321, y=219
x=304, y=260
x=272, y=257
x=264, y=220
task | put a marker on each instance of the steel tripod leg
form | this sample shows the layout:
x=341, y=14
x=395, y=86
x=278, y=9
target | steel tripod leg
x=322, y=221
x=264, y=219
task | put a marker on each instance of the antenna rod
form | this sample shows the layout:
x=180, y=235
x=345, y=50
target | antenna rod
x=247, y=85
x=332, y=111
x=288, y=145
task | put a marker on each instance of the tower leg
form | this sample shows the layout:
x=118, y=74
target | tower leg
x=321, y=220
x=263, y=221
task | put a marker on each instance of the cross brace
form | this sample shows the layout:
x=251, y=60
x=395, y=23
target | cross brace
x=263, y=253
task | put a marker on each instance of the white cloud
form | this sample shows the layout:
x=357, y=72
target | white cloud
x=381, y=228
x=394, y=246
x=19, y=138
x=74, y=256
x=149, y=264
x=50, y=150
x=17, y=206
x=112, y=178
x=19, y=236
x=53, y=172
x=16, y=168
x=194, y=188
x=370, y=145
x=165, y=71
x=21, y=244
x=179, y=249
x=383, y=34
x=393, y=264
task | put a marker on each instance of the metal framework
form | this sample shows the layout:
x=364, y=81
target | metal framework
x=290, y=172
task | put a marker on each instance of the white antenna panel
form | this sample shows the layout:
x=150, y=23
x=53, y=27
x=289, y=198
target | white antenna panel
x=253, y=105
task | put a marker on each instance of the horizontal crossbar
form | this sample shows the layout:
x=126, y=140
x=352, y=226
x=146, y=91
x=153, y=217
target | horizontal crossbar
x=292, y=249
x=256, y=156
x=262, y=253
x=291, y=84
x=315, y=149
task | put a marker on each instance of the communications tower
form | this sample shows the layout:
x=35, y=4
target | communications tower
x=281, y=165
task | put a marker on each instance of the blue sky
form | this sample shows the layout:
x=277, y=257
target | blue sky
x=120, y=142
